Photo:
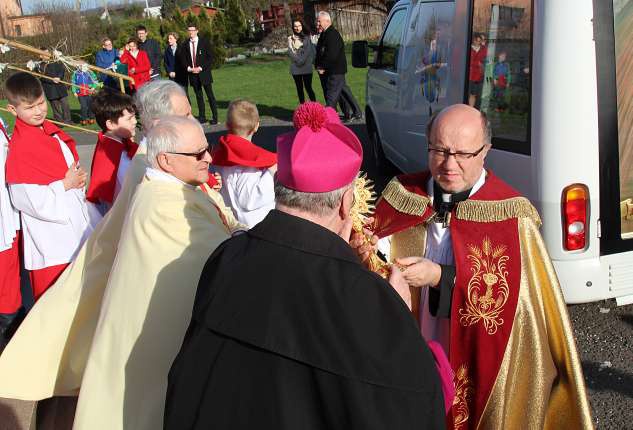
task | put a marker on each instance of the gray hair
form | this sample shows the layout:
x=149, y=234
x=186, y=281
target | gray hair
x=315, y=203
x=154, y=100
x=166, y=136
x=485, y=125
x=325, y=14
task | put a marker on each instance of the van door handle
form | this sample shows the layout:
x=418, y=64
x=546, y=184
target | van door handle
x=392, y=82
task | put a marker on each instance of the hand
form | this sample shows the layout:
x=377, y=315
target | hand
x=218, y=179
x=420, y=272
x=75, y=94
x=75, y=177
x=132, y=70
x=172, y=74
x=364, y=244
x=56, y=80
x=320, y=71
x=399, y=284
x=151, y=71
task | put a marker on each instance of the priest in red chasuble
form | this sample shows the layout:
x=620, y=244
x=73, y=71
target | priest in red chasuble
x=470, y=249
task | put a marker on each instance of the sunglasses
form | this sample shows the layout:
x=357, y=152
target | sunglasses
x=198, y=155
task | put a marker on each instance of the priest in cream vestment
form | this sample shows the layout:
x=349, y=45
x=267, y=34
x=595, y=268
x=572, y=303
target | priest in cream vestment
x=48, y=354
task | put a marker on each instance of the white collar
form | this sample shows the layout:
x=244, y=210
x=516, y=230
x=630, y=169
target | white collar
x=194, y=40
x=475, y=188
x=159, y=175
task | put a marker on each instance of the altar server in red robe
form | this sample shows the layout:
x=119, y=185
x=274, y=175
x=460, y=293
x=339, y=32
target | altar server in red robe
x=116, y=115
x=46, y=185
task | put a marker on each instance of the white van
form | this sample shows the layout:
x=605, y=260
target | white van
x=555, y=78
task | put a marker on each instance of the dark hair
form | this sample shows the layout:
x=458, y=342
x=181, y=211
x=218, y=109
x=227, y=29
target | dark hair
x=23, y=87
x=134, y=40
x=141, y=28
x=304, y=29
x=192, y=24
x=109, y=104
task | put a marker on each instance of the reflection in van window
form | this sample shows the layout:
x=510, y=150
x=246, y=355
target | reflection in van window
x=623, y=28
x=499, y=68
x=390, y=44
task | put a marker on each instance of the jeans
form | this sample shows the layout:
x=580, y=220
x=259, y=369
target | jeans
x=85, y=102
x=302, y=81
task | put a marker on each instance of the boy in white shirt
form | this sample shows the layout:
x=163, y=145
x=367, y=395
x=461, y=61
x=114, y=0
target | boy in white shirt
x=247, y=170
x=46, y=185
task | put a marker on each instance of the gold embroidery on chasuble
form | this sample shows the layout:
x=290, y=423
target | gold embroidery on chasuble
x=487, y=291
x=463, y=394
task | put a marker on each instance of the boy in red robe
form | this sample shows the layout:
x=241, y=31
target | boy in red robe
x=247, y=170
x=46, y=185
x=116, y=115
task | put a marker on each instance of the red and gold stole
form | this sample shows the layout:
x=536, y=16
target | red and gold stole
x=484, y=233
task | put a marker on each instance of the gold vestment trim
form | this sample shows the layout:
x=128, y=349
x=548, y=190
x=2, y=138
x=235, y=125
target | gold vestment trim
x=497, y=210
x=403, y=200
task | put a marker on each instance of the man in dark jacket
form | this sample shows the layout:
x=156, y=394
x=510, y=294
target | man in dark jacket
x=196, y=58
x=56, y=92
x=331, y=65
x=152, y=49
x=289, y=330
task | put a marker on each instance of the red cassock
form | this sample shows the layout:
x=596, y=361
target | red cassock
x=105, y=165
x=141, y=66
x=38, y=163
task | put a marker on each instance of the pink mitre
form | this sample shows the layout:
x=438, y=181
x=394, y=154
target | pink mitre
x=321, y=156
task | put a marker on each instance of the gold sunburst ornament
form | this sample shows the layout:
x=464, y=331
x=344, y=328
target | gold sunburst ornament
x=362, y=209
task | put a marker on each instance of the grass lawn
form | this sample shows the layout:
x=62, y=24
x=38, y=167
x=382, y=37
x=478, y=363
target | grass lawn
x=264, y=80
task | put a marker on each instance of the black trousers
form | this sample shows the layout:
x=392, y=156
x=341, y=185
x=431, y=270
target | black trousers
x=302, y=81
x=194, y=81
x=336, y=91
x=61, y=110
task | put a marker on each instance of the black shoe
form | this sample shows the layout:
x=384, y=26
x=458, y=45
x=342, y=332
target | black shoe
x=357, y=118
x=201, y=120
x=213, y=121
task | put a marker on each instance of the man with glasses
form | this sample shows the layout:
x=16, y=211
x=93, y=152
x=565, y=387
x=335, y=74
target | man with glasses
x=106, y=58
x=471, y=252
x=170, y=230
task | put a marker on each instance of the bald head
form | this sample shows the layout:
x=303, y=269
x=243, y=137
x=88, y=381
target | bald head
x=463, y=130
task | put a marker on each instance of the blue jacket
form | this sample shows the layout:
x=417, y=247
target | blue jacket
x=104, y=59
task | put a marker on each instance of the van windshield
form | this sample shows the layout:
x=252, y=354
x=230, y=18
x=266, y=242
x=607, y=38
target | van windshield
x=623, y=32
x=499, y=75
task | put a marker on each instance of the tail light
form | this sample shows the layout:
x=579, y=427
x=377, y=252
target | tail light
x=575, y=207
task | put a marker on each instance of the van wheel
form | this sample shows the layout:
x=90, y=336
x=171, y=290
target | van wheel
x=376, y=145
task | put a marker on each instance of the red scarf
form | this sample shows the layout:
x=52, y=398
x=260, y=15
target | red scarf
x=105, y=165
x=234, y=150
x=488, y=265
x=35, y=156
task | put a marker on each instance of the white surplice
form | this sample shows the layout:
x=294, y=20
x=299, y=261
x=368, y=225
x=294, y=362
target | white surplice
x=55, y=222
x=9, y=216
x=249, y=191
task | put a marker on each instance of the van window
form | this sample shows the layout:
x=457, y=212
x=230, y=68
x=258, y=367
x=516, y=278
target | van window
x=499, y=77
x=623, y=30
x=391, y=40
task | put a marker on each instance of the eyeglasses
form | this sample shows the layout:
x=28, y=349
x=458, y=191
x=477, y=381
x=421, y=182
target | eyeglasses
x=198, y=155
x=459, y=156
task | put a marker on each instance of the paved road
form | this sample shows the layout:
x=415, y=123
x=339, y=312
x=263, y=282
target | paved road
x=604, y=332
